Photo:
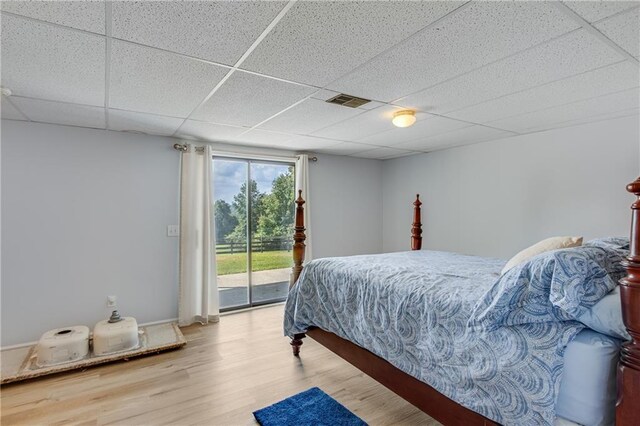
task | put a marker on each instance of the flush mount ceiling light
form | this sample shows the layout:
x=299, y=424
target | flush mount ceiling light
x=404, y=118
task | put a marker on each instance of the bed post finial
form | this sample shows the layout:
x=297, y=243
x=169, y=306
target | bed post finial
x=416, y=226
x=298, y=240
x=627, y=408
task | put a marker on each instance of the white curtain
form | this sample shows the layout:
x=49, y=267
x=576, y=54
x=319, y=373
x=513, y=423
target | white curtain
x=302, y=182
x=198, y=298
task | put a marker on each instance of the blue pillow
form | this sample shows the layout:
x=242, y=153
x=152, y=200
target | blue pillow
x=611, y=243
x=559, y=285
x=606, y=316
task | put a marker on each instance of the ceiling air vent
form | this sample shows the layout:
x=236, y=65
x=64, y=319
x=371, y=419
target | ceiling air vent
x=348, y=100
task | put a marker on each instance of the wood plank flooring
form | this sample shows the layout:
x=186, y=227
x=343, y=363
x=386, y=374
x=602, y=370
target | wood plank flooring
x=226, y=371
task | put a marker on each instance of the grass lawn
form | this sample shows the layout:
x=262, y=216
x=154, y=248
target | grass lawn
x=237, y=262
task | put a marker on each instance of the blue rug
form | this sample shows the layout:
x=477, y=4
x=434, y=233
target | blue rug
x=311, y=407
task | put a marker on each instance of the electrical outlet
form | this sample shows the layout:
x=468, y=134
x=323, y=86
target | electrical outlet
x=173, y=231
x=111, y=301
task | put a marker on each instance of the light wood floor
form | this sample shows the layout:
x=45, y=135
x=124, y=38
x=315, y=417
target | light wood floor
x=226, y=371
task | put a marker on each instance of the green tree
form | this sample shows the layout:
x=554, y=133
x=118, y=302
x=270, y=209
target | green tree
x=239, y=209
x=225, y=220
x=278, y=208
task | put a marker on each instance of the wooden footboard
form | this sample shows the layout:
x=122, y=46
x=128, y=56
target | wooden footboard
x=298, y=240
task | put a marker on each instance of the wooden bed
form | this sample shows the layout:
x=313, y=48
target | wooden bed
x=443, y=408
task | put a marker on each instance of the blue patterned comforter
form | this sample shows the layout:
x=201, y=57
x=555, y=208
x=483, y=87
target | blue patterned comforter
x=426, y=313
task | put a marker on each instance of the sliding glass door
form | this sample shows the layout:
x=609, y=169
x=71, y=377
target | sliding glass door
x=253, y=208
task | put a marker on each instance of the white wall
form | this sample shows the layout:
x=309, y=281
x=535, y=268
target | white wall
x=346, y=208
x=84, y=212
x=84, y=215
x=495, y=198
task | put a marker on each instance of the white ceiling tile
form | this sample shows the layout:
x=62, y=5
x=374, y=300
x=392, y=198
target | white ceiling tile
x=465, y=40
x=624, y=30
x=568, y=55
x=145, y=123
x=309, y=116
x=465, y=136
x=219, y=31
x=304, y=143
x=61, y=113
x=426, y=126
x=263, y=138
x=324, y=94
x=371, y=105
x=150, y=80
x=317, y=42
x=551, y=117
x=383, y=153
x=600, y=117
x=247, y=99
x=360, y=126
x=209, y=131
x=83, y=15
x=344, y=148
x=297, y=143
x=42, y=61
x=9, y=112
x=610, y=79
x=593, y=11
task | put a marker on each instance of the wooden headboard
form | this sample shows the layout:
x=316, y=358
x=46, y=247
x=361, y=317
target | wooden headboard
x=627, y=406
x=299, y=236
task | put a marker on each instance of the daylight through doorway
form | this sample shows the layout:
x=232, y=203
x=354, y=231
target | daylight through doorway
x=254, y=213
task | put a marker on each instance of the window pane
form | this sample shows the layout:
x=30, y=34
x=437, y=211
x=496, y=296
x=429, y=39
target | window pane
x=272, y=216
x=230, y=205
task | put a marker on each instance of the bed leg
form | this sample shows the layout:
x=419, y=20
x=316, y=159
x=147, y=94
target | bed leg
x=296, y=342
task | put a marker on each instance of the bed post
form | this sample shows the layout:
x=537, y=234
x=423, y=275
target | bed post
x=298, y=259
x=416, y=226
x=627, y=406
x=298, y=240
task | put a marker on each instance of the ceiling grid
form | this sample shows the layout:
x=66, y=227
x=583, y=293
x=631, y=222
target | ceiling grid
x=107, y=61
x=257, y=74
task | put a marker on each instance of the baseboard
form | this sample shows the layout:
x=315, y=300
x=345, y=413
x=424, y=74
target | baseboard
x=17, y=346
x=22, y=345
x=158, y=322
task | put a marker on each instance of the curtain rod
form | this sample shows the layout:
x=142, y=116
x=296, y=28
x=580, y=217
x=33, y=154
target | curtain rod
x=185, y=147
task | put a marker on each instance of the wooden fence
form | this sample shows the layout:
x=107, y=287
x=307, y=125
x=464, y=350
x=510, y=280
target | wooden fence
x=257, y=245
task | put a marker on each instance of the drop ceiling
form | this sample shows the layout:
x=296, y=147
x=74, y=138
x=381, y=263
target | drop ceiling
x=258, y=73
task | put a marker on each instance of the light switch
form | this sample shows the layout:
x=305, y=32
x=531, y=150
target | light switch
x=173, y=230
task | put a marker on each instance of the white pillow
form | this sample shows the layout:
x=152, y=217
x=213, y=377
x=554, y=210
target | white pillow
x=553, y=243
